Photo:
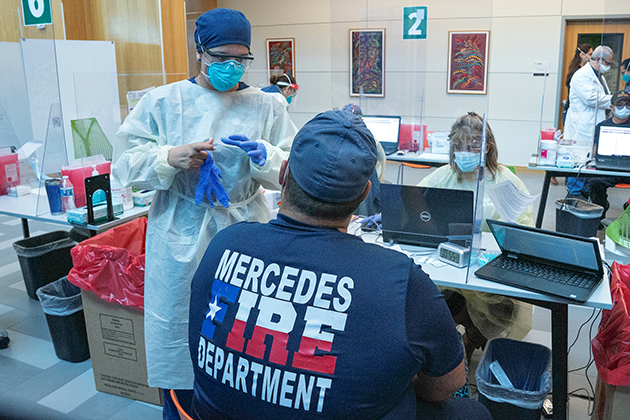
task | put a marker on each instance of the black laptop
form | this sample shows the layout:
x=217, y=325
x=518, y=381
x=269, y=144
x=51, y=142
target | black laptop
x=385, y=129
x=612, y=150
x=425, y=216
x=544, y=261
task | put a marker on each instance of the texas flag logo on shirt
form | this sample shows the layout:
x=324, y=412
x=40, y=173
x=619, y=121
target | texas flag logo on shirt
x=266, y=296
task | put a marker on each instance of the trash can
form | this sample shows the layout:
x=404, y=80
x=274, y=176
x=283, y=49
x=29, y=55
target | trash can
x=528, y=369
x=44, y=259
x=78, y=234
x=61, y=303
x=577, y=217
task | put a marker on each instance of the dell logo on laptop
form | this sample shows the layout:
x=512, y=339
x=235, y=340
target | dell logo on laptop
x=425, y=216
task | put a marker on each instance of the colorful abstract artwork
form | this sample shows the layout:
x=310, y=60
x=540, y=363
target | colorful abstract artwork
x=367, y=62
x=468, y=62
x=280, y=56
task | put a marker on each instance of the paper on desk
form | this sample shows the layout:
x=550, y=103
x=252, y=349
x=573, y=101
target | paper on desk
x=509, y=201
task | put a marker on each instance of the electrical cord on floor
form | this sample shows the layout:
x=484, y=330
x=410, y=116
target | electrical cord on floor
x=592, y=360
x=590, y=396
x=579, y=330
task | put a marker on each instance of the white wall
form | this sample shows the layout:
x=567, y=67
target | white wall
x=521, y=33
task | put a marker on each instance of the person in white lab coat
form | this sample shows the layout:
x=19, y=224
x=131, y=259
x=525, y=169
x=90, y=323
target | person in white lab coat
x=484, y=315
x=590, y=96
x=590, y=99
x=232, y=130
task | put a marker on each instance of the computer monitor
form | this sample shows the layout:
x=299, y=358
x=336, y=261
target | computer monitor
x=612, y=150
x=385, y=129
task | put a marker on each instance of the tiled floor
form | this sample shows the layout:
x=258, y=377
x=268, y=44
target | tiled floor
x=30, y=372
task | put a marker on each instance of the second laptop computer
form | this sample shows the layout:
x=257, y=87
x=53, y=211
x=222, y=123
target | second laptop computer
x=544, y=261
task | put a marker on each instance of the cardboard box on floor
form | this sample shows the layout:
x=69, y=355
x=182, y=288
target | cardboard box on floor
x=611, y=402
x=116, y=339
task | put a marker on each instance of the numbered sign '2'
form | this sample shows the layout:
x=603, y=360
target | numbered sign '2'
x=415, y=22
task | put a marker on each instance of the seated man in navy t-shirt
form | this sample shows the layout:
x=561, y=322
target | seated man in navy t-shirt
x=297, y=319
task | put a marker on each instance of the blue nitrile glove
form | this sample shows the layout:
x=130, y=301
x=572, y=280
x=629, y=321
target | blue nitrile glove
x=210, y=182
x=255, y=150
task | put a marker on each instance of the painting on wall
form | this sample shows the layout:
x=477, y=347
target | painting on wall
x=280, y=57
x=367, y=62
x=468, y=62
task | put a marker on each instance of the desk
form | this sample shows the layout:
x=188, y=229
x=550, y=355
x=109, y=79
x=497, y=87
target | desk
x=25, y=207
x=425, y=158
x=551, y=171
x=456, y=277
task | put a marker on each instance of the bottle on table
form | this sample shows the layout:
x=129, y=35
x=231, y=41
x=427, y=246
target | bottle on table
x=67, y=195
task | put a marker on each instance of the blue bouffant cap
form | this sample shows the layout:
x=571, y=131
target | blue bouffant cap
x=333, y=157
x=220, y=26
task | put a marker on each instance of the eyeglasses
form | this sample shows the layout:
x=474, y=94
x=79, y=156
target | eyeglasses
x=605, y=61
x=467, y=148
x=219, y=56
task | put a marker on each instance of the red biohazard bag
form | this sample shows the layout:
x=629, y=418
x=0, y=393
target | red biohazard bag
x=111, y=264
x=611, y=345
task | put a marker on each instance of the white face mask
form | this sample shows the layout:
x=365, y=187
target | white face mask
x=622, y=112
x=603, y=68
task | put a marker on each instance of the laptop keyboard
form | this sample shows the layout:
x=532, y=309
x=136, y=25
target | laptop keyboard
x=552, y=274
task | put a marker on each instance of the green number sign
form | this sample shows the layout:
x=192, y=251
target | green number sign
x=415, y=22
x=36, y=12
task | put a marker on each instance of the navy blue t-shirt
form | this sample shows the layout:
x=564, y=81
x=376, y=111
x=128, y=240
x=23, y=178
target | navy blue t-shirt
x=289, y=320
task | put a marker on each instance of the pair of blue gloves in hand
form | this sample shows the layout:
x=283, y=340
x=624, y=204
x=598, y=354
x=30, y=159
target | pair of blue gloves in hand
x=210, y=174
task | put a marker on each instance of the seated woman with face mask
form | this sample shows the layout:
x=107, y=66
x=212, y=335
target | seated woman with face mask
x=461, y=172
x=485, y=316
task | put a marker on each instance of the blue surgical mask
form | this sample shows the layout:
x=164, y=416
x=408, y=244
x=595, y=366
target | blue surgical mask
x=622, y=112
x=290, y=99
x=467, y=161
x=626, y=77
x=224, y=75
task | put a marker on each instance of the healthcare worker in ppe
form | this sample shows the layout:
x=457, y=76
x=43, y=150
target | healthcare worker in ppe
x=484, y=315
x=193, y=141
x=589, y=97
x=284, y=86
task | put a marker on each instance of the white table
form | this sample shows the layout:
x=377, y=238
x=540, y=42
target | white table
x=424, y=158
x=34, y=206
x=451, y=276
x=551, y=171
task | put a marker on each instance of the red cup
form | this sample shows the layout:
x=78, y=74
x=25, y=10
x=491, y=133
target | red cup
x=547, y=133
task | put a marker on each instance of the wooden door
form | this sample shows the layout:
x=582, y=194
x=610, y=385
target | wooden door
x=594, y=26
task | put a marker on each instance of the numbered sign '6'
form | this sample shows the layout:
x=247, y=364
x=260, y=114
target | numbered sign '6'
x=415, y=22
x=36, y=12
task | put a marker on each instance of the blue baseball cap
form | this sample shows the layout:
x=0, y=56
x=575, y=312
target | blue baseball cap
x=333, y=157
x=220, y=26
